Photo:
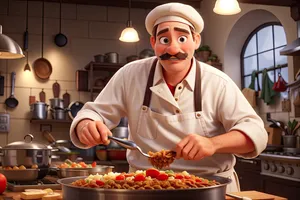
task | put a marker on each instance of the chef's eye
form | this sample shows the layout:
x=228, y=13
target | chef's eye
x=164, y=40
x=182, y=39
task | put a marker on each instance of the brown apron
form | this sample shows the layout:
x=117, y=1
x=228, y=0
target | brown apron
x=156, y=131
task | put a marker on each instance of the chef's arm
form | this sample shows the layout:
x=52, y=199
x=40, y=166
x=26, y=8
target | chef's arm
x=235, y=142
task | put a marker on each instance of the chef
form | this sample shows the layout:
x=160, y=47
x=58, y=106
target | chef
x=172, y=101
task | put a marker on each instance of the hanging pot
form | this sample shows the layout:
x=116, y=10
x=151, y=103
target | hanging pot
x=42, y=67
x=60, y=39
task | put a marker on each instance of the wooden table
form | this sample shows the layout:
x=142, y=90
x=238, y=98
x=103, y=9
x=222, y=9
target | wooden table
x=254, y=195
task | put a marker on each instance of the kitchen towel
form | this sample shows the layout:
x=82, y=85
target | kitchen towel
x=267, y=93
x=250, y=92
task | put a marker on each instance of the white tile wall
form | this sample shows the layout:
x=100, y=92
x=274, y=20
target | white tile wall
x=90, y=30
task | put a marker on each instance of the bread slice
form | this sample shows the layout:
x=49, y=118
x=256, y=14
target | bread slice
x=53, y=196
x=33, y=194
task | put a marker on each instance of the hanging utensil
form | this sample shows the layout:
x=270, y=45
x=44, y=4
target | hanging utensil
x=42, y=67
x=66, y=98
x=60, y=39
x=12, y=102
x=25, y=47
x=42, y=96
x=56, y=89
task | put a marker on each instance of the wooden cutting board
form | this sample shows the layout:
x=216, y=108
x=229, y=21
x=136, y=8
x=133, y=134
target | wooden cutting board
x=42, y=96
x=66, y=98
x=56, y=89
x=255, y=195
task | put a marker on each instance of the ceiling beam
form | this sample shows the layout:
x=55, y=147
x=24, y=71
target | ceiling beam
x=271, y=2
x=144, y=4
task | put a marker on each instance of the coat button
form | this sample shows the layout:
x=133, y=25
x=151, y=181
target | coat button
x=176, y=99
x=179, y=88
x=177, y=111
x=198, y=114
x=144, y=108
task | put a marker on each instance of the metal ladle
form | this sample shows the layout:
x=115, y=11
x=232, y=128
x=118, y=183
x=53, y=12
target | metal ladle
x=128, y=145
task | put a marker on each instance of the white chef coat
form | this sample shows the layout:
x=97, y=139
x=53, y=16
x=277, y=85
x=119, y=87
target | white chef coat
x=224, y=108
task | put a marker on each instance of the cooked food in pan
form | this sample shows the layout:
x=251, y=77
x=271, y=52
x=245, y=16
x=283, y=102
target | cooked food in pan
x=161, y=158
x=22, y=167
x=69, y=164
x=150, y=179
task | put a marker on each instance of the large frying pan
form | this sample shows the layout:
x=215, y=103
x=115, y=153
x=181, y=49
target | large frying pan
x=42, y=67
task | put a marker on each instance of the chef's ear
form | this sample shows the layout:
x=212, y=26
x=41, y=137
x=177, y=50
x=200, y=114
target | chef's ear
x=152, y=41
x=197, y=39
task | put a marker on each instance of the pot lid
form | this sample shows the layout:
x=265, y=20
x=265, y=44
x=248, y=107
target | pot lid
x=26, y=144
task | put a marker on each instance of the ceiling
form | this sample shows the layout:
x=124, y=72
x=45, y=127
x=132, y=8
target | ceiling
x=149, y=4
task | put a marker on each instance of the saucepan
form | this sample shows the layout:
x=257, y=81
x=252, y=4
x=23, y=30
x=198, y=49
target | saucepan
x=72, y=172
x=20, y=174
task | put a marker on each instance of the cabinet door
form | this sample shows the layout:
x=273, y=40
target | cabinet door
x=282, y=187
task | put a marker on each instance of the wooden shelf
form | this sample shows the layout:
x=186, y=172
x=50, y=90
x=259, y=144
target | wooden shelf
x=48, y=121
x=104, y=66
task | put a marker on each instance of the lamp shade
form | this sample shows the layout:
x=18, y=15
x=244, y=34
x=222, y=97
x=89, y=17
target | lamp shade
x=9, y=49
x=129, y=34
x=227, y=7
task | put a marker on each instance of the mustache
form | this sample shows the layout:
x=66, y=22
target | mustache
x=179, y=56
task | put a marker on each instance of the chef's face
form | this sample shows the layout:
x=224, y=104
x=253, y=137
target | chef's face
x=171, y=39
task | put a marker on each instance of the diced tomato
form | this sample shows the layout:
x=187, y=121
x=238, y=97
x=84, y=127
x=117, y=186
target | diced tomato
x=152, y=172
x=99, y=182
x=198, y=180
x=179, y=176
x=120, y=177
x=139, y=177
x=162, y=177
x=94, y=164
x=82, y=164
x=187, y=176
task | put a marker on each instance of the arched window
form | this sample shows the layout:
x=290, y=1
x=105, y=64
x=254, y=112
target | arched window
x=262, y=50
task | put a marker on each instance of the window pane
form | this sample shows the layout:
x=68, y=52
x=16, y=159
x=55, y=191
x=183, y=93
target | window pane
x=265, y=60
x=251, y=47
x=280, y=38
x=247, y=81
x=259, y=81
x=265, y=39
x=280, y=59
x=250, y=64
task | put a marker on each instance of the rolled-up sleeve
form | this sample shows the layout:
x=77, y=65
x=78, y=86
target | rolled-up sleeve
x=236, y=113
x=108, y=107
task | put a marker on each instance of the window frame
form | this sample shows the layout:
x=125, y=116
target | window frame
x=254, y=32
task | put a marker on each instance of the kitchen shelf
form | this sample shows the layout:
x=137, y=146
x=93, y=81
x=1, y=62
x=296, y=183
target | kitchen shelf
x=47, y=121
x=94, y=66
x=104, y=66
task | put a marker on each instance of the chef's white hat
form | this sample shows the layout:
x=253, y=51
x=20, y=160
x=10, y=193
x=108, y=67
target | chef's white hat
x=174, y=12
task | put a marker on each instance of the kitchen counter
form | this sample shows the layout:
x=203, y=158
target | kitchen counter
x=254, y=195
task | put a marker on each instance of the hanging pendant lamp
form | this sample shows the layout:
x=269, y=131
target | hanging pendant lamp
x=129, y=34
x=227, y=7
x=9, y=49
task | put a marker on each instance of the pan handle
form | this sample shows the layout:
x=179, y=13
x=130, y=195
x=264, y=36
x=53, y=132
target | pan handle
x=13, y=78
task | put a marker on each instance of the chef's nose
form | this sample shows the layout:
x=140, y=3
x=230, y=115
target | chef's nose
x=173, y=48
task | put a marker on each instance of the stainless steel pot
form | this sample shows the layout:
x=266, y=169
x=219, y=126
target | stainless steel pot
x=56, y=103
x=26, y=153
x=72, y=172
x=39, y=110
x=112, y=57
x=217, y=192
x=21, y=174
x=59, y=114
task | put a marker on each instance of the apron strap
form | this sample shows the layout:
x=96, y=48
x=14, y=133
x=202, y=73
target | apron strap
x=148, y=93
x=197, y=93
x=197, y=90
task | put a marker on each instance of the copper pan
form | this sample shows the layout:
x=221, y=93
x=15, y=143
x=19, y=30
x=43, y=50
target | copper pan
x=42, y=67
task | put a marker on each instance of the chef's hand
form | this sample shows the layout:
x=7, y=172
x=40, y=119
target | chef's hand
x=92, y=133
x=194, y=147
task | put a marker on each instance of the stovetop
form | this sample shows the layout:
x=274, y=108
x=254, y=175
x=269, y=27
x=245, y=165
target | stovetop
x=46, y=182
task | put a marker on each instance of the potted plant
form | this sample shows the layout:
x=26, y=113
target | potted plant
x=202, y=53
x=290, y=137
